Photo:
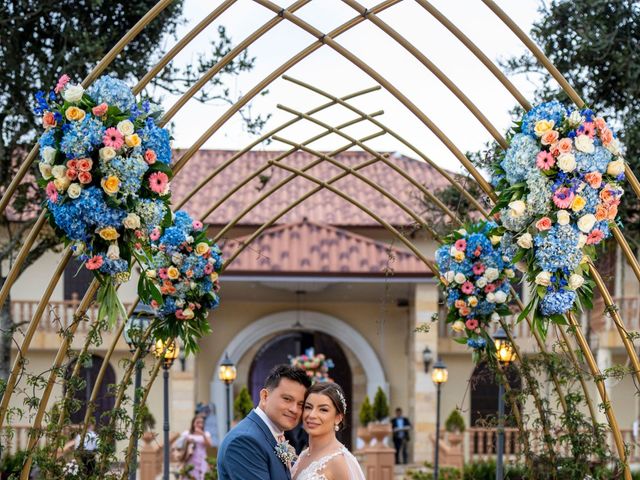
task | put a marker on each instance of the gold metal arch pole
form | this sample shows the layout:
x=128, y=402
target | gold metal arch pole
x=439, y=74
x=394, y=134
x=264, y=137
x=31, y=330
x=98, y=69
x=270, y=78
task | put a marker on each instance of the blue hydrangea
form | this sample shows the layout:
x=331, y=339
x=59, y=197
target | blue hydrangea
x=508, y=245
x=515, y=224
x=539, y=196
x=156, y=139
x=484, y=308
x=80, y=139
x=545, y=111
x=443, y=258
x=111, y=267
x=476, y=343
x=603, y=225
x=593, y=162
x=130, y=171
x=168, y=307
x=212, y=301
x=453, y=295
x=113, y=92
x=558, y=302
x=173, y=237
x=47, y=139
x=477, y=241
x=520, y=158
x=151, y=212
x=195, y=264
x=183, y=220
x=216, y=253
x=79, y=218
x=592, y=198
x=558, y=249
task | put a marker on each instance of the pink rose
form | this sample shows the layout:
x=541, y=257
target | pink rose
x=543, y=224
x=100, y=110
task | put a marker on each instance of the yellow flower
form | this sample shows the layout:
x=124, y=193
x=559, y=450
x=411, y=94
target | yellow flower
x=109, y=233
x=458, y=256
x=578, y=203
x=214, y=276
x=173, y=273
x=473, y=301
x=62, y=183
x=202, y=248
x=110, y=185
x=132, y=140
x=543, y=126
x=74, y=113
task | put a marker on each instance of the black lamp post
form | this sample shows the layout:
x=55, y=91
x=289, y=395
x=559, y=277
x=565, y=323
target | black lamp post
x=505, y=355
x=227, y=373
x=133, y=333
x=439, y=376
x=168, y=351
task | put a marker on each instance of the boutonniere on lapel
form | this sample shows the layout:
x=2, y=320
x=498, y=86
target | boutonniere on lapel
x=286, y=453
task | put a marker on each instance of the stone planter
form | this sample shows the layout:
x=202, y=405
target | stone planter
x=454, y=439
x=365, y=435
x=380, y=431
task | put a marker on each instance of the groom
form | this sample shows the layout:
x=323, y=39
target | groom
x=249, y=451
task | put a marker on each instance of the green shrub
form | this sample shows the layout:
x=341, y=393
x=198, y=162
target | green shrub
x=380, y=405
x=212, y=474
x=242, y=405
x=366, y=412
x=455, y=422
x=11, y=464
x=445, y=473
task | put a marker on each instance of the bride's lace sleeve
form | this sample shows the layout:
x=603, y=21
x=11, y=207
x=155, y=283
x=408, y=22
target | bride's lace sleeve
x=355, y=472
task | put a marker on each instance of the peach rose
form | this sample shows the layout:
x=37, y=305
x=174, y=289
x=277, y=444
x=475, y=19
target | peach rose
x=565, y=145
x=150, y=157
x=100, y=110
x=71, y=174
x=84, y=177
x=85, y=164
x=464, y=311
x=600, y=123
x=48, y=120
x=550, y=137
x=594, y=179
x=606, y=136
x=543, y=224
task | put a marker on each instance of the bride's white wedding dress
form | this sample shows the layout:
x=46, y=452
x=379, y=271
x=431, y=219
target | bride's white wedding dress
x=315, y=469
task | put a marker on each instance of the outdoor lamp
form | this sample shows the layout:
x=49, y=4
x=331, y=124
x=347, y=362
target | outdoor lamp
x=169, y=354
x=168, y=350
x=440, y=373
x=136, y=325
x=504, y=349
x=227, y=373
x=427, y=358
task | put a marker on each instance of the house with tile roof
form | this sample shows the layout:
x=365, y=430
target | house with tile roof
x=325, y=275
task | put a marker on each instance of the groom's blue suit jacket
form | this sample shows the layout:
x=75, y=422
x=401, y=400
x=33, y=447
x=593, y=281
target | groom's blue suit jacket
x=248, y=453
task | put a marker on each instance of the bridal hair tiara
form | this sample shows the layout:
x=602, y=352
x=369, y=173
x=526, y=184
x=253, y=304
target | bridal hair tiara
x=343, y=401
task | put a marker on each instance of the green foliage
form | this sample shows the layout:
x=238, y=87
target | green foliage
x=242, y=405
x=444, y=473
x=212, y=474
x=380, y=405
x=455, y=422
x=366, y=412
x=596, y=45
x=11, y=464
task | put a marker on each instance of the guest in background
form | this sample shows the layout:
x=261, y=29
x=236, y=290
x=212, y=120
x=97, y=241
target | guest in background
x=194, y=443
x=401, y=428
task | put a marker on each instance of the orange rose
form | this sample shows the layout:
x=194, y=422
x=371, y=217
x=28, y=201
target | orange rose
x=607, y=136
x=600, y=123
x=74, y=113
x=150, y=157
x=464, y=311
x=460, y=303
x=594, y=179
x=565, y=145
x=48, y=120
x=85, y=164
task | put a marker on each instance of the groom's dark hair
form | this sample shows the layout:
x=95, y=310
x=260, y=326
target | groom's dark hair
x=279, y=372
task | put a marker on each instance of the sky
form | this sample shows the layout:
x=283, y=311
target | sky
x=331, y=72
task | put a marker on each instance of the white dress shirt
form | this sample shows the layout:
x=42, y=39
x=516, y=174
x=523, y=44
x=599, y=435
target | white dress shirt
x=275, y=431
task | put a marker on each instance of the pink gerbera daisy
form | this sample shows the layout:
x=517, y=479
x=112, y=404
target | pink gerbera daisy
x=467, y=288
x=563, y=197
x=471, y=324
x=113, y=138
x=478, y=268
x=155, y=234
x=94, y=262
x=544, y=160
x=208, y=268
x=490, y=288
x=52, y=192
x=595, y=237
x=158, y=182
x=461, y=245
x=197, y=225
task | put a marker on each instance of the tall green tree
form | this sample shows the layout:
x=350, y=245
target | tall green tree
x=41, y=40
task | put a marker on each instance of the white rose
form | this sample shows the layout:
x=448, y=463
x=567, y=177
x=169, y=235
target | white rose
x=495, y=239
x=125, y=127
x=462, y=231
x=481, y=282
x=192, y=285
x=49, y=154
x=447, y=276
x=543, y=278
x=74, y=190
x=563, y=217
x=189, y=237
x=113, y=252
x=575, y=118
x=525, y=241
x=58, y=171
x=45, y=170
x=151, y=273
x=509, y=273
x=460, y=278
x=187, y=313
x=62, y=183
x=73, y=93
x=495, y=317
x=458, y=326
x=518, y=207
x=176, y=258
x=575, y=281
x=78, y=249
x=615, y=168
x=582, y=240
x=584, y=144
x=567, y=162
x=107, y=153
x=180, y=303
x=491, y=297
x=131, y=221
x=492, y=274
x=586, y=222
x=501, y=297
x=614, y=146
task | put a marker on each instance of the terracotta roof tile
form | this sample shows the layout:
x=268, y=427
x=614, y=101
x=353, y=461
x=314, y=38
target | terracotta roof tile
x=324, y=207
x=304, y=248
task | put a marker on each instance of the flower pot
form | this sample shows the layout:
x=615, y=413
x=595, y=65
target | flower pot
x=380, y=431
x=454, y=439
x=365, y=435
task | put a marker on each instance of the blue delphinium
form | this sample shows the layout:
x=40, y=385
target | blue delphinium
x=47, y=139
x=593, y=162
x=520, y=158
x=81, y=138
x=558, y=302
x=539, y=197
x=558, y=249
x=156, y=139
x=130, y=171
x=545, y=111
x=113, y=92
x=476, y=343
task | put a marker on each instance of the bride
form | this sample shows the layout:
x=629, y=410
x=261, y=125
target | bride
x=326, y=458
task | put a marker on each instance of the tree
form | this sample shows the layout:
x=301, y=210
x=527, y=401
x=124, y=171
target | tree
x=242, y=405
x=380, y=405
x=366, y=412
x=40, y=41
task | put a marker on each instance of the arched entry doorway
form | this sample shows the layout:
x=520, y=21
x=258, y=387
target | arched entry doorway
x=279, y=349
x=104, y=401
